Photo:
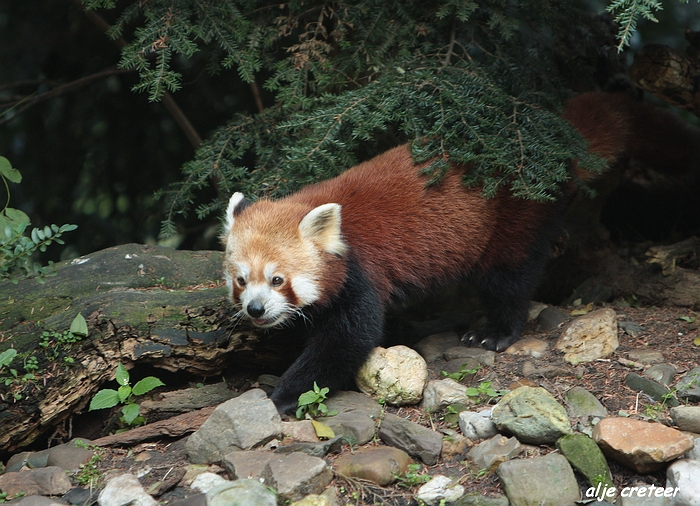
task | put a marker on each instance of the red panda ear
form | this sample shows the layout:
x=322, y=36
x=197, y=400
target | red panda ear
x=235, y=205
x=322, y=227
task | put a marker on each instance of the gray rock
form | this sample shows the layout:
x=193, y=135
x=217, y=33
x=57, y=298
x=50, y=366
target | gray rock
x=246, y=464
x=551, y=317
x=683, y=475
x=581, y=403
x=432, y=347
x=650, y=387
x=70, y=456
x=462, y=364
x=192, y=500
x=662, y=373
x=531, y=414
x=29, y=459
x=482, y=356
x=314, y=449
x=533, y=312
x=585, y=455
x=491, y=453
x=206, y=481
x=524, y=484
x=440, y=393
x=694, y=452
x=125, y=490
x=43, y=481
x=297, y=475
x=689, y=386
x=241, y=493
x=646, y=356
x=414, y=439
x=479, y=500
x=36, y=500
x=687, y=418
x=477, y=425
x=242, y=423
x=631, y=328
x=356, y=418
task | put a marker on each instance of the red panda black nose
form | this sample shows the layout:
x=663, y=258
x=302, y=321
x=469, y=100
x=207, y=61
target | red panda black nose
x=255, y=308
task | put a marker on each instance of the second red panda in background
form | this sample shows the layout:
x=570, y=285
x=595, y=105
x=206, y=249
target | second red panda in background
x=333, y=256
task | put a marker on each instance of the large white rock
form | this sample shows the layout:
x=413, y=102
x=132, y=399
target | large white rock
x=396, y=375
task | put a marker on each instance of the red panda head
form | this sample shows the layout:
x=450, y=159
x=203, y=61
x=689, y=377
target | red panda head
x=280, y=256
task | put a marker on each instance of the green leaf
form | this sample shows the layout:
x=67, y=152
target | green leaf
x=130, y=412
x=103, y=399
x=79, y=326
x=122, y=376
x=124, y=392
x=12, y=175
x=308, y=398
x=15, y=219
x=7, y=356
x=146, y=385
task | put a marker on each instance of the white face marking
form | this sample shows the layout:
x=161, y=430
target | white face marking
x=275, y=304
x=306, y=290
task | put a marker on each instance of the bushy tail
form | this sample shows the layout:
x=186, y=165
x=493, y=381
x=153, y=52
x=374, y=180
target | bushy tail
x=617, y=125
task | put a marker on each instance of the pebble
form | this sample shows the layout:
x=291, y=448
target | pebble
x=642, y=446
x=396, y=375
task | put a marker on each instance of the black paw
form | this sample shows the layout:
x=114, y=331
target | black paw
x=491, y=341
x=284, y=403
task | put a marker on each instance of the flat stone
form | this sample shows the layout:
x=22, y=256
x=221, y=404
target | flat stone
x=482, y=356
x=432, y=347
x=528, y=347
x=655, y=390
x=646, y=356
x=241, y=493
x=242, y=423
x=642, y=446
x=545, y=481
x=581, y=403
x=247, y=464
x=380, y=465
x=302, y=430
x=490, y=454
x=297, y=475
x=661, y=373
x=533, y=415
x=414, y=439
x=42, y=481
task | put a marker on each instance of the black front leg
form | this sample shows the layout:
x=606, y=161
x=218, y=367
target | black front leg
x=341, y=337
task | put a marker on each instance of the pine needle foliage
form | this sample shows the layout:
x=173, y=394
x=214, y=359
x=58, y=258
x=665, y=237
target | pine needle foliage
x=464, y=81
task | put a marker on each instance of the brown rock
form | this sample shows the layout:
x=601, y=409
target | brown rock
x=43, y=481
x=642, y=446
x=378, y=465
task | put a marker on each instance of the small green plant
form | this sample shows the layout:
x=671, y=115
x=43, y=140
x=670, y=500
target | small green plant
x=17, y=249
x=52, y=342
x=126, y=394
x=89, y=474
x=311, y=403
x=463, y=372
x=484, y=392
x=412, y=477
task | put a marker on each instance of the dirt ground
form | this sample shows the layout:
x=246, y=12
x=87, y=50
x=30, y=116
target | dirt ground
x=161, y=465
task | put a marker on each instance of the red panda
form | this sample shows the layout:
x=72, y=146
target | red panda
x=332, y=256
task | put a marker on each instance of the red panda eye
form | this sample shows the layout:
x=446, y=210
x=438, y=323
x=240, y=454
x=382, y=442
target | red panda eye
x=277, y=281
x=240, y=281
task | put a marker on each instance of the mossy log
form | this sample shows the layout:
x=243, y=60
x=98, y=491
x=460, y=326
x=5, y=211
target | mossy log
x=143, y=304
